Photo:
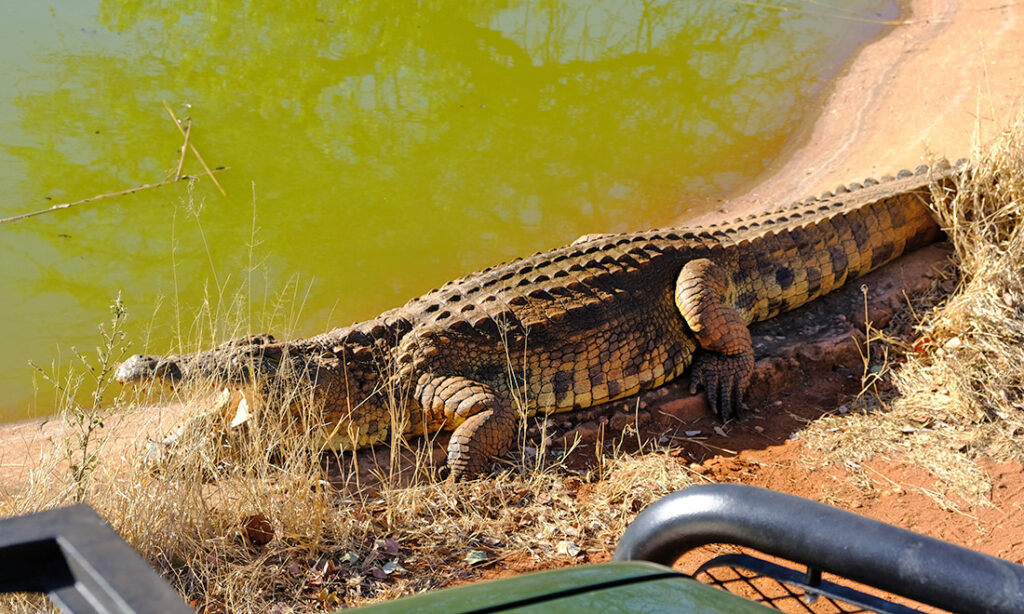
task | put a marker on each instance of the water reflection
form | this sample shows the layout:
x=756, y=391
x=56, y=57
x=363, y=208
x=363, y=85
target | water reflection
x=390, y=146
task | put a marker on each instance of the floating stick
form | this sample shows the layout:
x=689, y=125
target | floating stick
x=194, y=150
x=146, y=186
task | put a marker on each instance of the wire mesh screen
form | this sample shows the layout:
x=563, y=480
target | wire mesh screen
x=789, y=590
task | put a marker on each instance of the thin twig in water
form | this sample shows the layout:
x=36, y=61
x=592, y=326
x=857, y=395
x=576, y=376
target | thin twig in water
x=184, y=151
x=194, y=150
x=139, y=188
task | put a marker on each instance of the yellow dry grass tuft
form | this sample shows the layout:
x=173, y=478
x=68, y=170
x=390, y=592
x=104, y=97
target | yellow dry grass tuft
x=959, y=392
x=279, y=529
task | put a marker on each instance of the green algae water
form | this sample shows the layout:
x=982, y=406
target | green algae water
x=375, y=149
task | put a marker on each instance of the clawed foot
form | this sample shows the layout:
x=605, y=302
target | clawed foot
x=725, y=380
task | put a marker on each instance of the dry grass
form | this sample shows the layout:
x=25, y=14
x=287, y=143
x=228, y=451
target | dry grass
x=285, y=531
x=958, y=391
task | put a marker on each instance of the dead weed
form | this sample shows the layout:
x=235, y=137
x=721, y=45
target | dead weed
x=955, y=388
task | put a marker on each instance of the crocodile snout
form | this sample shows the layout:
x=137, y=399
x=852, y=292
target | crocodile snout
x=136, y=368
x=139, y=368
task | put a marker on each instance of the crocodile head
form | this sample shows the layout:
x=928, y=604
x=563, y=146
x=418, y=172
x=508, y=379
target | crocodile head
x=349, y=374
x=233, y=362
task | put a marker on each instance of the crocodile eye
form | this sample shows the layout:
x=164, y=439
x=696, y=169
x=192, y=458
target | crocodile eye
x=168, y=370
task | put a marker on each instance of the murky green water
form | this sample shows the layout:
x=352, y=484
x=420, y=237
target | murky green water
x=376, y=149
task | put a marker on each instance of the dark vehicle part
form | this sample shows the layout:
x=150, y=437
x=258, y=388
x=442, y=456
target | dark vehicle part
x=73, y=555
x=826, y=539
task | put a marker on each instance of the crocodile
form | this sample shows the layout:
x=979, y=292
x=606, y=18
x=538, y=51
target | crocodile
x=597, y=320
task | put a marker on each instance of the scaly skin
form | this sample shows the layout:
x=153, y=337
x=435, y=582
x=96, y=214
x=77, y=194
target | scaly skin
x=595, y=321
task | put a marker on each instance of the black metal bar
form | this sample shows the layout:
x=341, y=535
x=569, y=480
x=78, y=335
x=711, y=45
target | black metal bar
x=81, y=563
x=813, y=576
x=843, y=543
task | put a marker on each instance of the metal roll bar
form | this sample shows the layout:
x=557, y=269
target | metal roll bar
x=825, y=538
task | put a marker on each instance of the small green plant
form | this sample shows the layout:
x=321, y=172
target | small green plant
x=81, y=447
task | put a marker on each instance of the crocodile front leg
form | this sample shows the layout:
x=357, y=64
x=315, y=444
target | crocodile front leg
x=726, y=363
x=485, y=422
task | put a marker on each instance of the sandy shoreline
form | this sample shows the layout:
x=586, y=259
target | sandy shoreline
x=948, y=77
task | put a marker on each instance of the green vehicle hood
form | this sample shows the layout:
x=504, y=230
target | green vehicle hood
x=605, y=588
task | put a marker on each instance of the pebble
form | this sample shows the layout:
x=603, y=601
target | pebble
x=620, y=421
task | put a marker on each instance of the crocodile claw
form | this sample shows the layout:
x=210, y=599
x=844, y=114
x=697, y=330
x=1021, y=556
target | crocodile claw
x=725, y=379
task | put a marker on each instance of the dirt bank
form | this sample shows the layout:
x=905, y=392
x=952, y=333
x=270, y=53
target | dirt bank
x=948, y=77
